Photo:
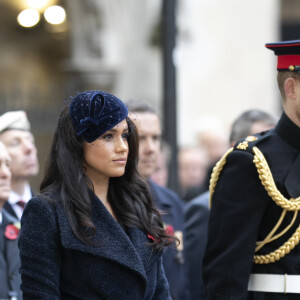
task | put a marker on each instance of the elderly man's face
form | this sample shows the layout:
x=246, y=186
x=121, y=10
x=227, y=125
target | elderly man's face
x=5, y=174
x=21, y=148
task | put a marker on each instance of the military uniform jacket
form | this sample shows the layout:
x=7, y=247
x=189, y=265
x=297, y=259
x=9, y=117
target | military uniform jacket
x=56, y=265
x=243, y=213
x=10, y=279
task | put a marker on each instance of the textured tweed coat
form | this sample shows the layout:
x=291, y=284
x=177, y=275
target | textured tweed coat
x=56, y=265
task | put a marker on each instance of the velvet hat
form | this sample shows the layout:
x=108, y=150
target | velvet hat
x=288, y=53
x=95, y=112
x=14, y=120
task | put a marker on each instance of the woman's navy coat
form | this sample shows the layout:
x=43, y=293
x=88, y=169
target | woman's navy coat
x=56, y=265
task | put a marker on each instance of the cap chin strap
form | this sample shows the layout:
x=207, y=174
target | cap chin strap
x=267, y=181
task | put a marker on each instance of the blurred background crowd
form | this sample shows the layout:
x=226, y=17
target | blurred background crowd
x=221, y=65
x=51, y=49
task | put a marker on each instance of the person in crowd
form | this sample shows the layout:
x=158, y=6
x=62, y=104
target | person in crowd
x=192, y=169
x=93, y=231
x=16, y=135
x=197, y=211
x=212, y=136
x=251, y=122
x=149, y=130
x=253, y=249
x=10, y=279
x=161, y=173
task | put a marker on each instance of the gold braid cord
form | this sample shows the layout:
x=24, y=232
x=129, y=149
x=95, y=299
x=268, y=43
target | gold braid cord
x=216, y=173
x=267, y=181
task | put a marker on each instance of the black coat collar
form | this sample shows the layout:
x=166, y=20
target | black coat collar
x=129, y=250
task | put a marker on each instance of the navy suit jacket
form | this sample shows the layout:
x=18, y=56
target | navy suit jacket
x=9, y=208
x=196, y=223
x=56, y=265
x=173, y=261
x=10, y=279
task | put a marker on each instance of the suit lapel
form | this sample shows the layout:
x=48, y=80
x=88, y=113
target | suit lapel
x=112, y=242
x=9, y=209
x=11, y=253
x=2, y=237
x=292, y=181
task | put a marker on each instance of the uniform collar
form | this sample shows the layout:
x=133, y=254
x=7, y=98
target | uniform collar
x=288, y=131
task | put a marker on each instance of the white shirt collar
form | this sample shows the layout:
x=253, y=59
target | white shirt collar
x=14, y=197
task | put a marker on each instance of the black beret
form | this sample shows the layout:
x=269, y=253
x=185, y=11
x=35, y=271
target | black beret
x=95, y=112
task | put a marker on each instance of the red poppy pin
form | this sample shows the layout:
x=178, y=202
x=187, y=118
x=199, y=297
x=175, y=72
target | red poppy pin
x=151, y=237
x=169, y=229
x=11, y=231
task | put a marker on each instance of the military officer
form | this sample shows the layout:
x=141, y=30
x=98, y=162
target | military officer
x=253, y=249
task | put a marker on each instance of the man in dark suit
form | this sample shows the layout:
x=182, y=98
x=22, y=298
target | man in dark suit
x=16, y=135
x=10, y=278
x=149, y=130
x=197, y=211
x=253, y=249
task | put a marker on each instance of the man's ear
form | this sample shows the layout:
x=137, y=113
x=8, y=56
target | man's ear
x=290, y=88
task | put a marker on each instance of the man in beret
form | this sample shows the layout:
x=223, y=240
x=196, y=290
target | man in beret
x=16, y=135
x=148, y=126
x=10, y=279
x=253, y=249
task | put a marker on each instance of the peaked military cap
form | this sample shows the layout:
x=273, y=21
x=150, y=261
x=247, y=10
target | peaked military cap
x=288, y=53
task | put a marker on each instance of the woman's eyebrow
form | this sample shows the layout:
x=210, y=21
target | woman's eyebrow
x=116, y=130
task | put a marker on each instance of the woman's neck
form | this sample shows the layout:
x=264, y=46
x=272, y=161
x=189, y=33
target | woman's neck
x=101, y=191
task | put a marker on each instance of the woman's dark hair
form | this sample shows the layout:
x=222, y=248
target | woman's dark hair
x=64, y=174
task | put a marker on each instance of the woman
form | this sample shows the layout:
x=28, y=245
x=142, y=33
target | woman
x=93, y=232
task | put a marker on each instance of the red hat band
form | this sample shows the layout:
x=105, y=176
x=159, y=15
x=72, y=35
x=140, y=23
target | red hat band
x=286, y=61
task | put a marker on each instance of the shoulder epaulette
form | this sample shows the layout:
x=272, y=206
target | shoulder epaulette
x=250, y=141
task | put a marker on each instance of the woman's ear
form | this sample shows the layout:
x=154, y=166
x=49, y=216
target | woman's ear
x=290, y=88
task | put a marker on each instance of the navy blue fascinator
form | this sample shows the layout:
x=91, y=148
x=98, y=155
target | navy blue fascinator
x=95, y=112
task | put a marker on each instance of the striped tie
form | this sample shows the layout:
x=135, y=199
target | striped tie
x=21, y=203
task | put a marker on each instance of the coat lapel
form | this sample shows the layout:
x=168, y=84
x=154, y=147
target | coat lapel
x=142, y=244
x=112, y=241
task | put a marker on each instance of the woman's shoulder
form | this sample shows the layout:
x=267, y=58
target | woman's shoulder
x=41, y=205
x=44, y=200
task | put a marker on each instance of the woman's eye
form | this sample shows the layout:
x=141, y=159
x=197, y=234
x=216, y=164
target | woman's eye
x=125, y=136
x=108, y=137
